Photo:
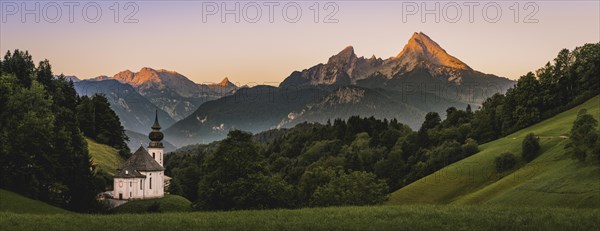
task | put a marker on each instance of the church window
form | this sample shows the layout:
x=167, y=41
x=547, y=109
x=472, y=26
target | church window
x=130, y=184
x=153, y=156
x=150, y=182
x=140, y=184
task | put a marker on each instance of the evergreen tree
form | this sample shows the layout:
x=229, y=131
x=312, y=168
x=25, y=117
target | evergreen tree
x=21, y=65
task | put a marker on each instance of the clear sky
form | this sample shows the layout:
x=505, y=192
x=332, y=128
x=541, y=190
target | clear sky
x=190, y=37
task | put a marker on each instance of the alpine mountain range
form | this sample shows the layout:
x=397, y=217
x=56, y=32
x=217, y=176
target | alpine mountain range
x=422, y=78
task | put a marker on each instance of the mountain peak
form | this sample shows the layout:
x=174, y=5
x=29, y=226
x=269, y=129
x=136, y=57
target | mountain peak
x=345, y=56
x=225, y=82
x=421, y=47
x=347, y=50
x=147, y=69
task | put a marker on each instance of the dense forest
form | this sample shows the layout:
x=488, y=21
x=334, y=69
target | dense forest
x=358, y=161
x=42, y=125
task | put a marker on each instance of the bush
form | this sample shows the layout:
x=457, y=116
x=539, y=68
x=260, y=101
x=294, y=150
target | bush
x=530, y=147
x=470, y=147
x=505, y=161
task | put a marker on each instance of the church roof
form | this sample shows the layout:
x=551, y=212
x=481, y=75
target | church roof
x=139, y=161
x=129, y=173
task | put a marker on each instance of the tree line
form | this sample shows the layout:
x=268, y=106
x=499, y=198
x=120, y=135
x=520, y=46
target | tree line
x=43, y=121
x=571, y=79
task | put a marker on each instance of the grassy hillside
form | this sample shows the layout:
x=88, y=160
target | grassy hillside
x=106, y=157
x=169, y=203
x=412, y=217
x=552, y=179
x=15, y=203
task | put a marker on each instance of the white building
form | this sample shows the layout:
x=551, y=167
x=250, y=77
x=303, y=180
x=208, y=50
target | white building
x=142, y=176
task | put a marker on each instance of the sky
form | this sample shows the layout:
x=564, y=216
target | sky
x=273, y=39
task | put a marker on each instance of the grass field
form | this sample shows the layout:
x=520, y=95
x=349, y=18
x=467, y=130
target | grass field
x=409, y=217
x=106, y=157
x=21, y=213
x=15, y=203
x=552, y=179
x=169, y=203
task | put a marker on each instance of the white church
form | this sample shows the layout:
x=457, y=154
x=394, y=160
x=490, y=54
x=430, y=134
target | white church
x=142, y=176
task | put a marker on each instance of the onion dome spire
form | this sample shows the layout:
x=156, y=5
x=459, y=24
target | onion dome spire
x=156, y=136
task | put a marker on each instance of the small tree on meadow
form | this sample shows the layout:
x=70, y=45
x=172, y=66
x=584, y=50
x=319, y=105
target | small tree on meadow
x=530, y=147
x=584, y=139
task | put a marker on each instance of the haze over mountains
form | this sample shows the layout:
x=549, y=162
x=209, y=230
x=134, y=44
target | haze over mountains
x=423, y=77
x=134, y=96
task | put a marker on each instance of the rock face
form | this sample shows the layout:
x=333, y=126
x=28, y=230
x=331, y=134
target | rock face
x=421, y=49
x=343, y=68
x=148, y=79
x=420, y=55
x=173, y=92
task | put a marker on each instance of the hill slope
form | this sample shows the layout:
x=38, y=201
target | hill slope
x=15, y=203
x=106, y=157
x=552, y=179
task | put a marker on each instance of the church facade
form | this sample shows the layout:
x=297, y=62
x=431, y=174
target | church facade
x=142, y=176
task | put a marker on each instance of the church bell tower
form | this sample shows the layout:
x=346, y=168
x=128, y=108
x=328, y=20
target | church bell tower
x=156, y=148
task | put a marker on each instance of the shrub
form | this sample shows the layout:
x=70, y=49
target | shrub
x=470, y=147
x=505, y=161
x=530, y=147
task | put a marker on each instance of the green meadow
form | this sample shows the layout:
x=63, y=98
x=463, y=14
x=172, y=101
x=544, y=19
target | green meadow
x=407, y=217
x=106, y=157
x=552, y=179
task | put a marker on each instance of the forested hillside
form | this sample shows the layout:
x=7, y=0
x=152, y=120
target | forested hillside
x=43, y=121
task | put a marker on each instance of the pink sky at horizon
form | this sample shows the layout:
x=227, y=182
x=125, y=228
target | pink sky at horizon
x=173, y=36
